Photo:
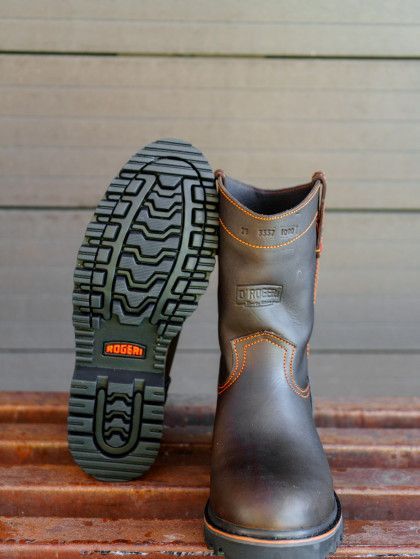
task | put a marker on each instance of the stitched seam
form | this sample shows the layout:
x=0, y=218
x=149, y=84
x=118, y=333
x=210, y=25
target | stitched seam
x=229, y=232
x=245, y=354
x=232, y=373
x=266, y=217
x=302, y=392
x=288, y=372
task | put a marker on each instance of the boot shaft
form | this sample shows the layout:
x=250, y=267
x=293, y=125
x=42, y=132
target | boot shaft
x=268, y=248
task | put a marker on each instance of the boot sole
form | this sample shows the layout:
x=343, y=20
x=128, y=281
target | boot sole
x=144, y=262
x=240, y=547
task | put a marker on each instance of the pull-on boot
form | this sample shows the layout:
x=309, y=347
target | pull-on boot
x=143, y=264
x=271, y=494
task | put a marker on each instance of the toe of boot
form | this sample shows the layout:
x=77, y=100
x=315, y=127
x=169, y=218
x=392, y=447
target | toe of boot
x=274, y=510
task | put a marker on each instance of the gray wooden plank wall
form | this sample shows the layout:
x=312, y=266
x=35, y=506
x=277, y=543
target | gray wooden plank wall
x=270, y=91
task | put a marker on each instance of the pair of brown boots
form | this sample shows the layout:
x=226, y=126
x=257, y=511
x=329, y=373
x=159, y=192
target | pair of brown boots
x=143, y=264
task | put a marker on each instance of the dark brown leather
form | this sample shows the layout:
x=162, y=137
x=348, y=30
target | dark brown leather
x=270, y=476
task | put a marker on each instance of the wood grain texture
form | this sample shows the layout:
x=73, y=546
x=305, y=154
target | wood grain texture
x=68, y=124
x=42, y=492
x=380, y=12
x=51, y=407
x=365, y=302
x=69, y=538
x=350, y=447
x=32, y=491
x=278, y=28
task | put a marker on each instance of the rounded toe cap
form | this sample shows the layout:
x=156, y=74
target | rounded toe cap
x=286, y=509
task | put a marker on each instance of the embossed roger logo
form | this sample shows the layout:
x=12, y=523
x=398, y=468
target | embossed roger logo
x=124, y=349
x=258, y=295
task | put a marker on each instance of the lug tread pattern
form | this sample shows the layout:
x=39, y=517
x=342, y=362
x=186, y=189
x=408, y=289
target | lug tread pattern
x=129, y=264
x=145, y=261
x=89, y=430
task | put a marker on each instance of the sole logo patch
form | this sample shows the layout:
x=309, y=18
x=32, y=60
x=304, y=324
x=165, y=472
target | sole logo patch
x=258, y=295
x=124, y=349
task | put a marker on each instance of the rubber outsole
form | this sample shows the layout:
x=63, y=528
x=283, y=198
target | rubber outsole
x=145, y=260
x=233, y=546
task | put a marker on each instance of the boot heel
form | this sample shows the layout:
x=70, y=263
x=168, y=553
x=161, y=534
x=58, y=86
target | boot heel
x=115, y=426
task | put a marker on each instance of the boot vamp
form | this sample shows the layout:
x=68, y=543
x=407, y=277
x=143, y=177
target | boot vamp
x=278, y=487
x=269, y=470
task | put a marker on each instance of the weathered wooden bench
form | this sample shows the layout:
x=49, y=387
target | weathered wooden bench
x=50, y=508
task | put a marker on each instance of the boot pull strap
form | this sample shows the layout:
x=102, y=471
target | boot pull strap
x=320, y=176
x=220, y=176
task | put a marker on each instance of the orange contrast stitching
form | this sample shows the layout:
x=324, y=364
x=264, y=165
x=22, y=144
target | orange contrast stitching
x=268, y=217
x=232, y=373
x=236, y=377
x=229, y=232
x=318, y=538
x=288, y=373
x=303, y=392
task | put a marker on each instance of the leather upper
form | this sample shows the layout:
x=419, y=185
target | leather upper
x=269, y=471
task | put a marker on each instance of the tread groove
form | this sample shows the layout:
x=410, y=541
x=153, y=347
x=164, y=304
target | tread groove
x=145, y=261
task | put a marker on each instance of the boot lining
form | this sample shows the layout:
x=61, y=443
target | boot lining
x=265, y=201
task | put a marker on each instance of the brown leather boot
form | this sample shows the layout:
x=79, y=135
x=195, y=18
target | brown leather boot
x=271, y=495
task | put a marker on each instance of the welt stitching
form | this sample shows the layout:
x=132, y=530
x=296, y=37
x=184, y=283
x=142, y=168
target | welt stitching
x=288, y=372
x=229, y=232
x=266, y=217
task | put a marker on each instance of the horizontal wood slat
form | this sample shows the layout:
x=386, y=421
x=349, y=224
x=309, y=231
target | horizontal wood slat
x=67, y=124
x=359, y=28
x=244, y=11
x=253, y=74
x=74, y=537
x=365, y=301
x=393, y=448
x=63, y=491
x=51, y=407
x=160, y=515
